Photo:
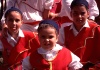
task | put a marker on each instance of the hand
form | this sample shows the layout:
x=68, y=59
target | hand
x=52, y=15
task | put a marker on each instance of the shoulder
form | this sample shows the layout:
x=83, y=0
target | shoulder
x=93, y=24
x=30, y=34
x=66, y=51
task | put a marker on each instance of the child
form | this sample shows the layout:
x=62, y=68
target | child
x=51, y=56
x=18, y=44
x=83, y=36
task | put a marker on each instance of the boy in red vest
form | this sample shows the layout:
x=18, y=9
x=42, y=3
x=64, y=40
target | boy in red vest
x=50, y=55
x=83, y=36
x=17, y=44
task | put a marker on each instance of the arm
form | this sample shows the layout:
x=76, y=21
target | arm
x=45, y=14
x=47, y=6
x=75, y=64
x=61, y=38
x=93, y=9
x=65, y=10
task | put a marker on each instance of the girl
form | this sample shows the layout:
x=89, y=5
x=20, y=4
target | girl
x=18, y=44
x=51, y=56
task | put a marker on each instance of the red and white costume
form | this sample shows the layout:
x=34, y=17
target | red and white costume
x=14, y=51
x=59, y=58
x=84, y=43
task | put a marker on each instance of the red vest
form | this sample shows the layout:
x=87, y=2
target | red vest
x=61, y=61
x=14, y=55
x=86, y=43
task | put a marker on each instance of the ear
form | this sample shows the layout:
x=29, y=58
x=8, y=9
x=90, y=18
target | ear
x=22, y=22
x=57, y=38
x=88, y=14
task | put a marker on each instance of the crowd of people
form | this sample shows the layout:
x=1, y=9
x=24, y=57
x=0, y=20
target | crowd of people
x=50, y=35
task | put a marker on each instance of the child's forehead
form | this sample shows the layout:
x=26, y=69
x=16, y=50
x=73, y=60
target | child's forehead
x=12, y=10
x=14, y=14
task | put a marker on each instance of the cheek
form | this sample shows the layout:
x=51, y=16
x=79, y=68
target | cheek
x=19, y=24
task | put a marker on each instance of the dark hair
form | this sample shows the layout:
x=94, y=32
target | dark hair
x=48, y=23
x=12, y=9
x=79, y=3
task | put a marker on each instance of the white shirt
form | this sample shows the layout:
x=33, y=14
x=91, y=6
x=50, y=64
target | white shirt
x=11, y=40
x=75, y=64
x=93, y=9
x=61, y=39
x=30, y=14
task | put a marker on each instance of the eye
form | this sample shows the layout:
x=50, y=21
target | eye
x=43, y=37
x=82, y=13
x=17, y=20
x=75, y=14
x=51, y=37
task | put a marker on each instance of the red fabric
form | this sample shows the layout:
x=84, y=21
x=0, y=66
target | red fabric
x=61, y=61
x=86, y=44
x=56, y=6
x=56, y=9
x=33, y=23
x=61, y=20
x=25, y=45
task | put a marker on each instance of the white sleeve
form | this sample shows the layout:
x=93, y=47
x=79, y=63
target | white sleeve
x=66, y=5
x=75, y=64
x=93, y=9
x=48, y=4
x=26, y=64
x=61, y=38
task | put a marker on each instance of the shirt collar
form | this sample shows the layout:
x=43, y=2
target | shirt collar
x=49, y=55
x=85, y=25
x=20, y=34
x=55, y=49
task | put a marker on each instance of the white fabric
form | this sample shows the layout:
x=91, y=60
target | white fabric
x=11, y=40
x=29, y=14
x=49, y=55
x=93, y=9
x=75, y=64
x=61, y=39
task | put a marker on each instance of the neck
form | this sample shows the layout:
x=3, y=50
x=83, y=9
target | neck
x=14, y=35
x=78, y=27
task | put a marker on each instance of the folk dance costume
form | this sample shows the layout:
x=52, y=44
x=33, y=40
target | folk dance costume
x=84, y=43
x=59, y=58
x=14, y=51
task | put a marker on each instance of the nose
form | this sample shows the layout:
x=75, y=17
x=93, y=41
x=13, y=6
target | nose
x=14, y=22
x=80, y=16
x=47, y=40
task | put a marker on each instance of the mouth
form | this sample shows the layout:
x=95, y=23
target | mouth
x=79, y=20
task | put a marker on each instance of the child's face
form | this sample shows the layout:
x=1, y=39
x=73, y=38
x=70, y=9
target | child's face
x=79, y=15
x=48, y=38
x=14, y=21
